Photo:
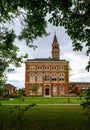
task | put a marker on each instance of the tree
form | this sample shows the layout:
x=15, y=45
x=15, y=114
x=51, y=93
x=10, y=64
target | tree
x=21, y=92
x=1, y=92
x=33, y=89
x=8, y=53
x=86, y=106
x=74, y=15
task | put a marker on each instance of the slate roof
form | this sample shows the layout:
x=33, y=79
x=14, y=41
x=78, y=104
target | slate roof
x=81, y=83
x=8, y=86
x=45, y=60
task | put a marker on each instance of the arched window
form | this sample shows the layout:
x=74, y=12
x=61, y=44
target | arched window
x=32, y=68
x=39, y=67
x=61, y=77
x=32, y=77
x=54, y=68
x=54, y=77
x=61, y=68
x=47, y=77
x=39, y=77
x=47, y=67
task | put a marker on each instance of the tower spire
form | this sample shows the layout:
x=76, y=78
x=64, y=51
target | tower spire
x=55, y=48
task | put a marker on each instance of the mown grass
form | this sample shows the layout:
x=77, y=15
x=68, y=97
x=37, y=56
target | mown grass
x=28, y=100
x=43, y=118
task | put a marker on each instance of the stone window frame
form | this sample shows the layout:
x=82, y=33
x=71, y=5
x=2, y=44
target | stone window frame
x=40, y=89
x=32, y=68
x=39, y=77
x=54, y=68
x=61, y=77
x=54, y=89
x=39, y=67
x=46, y=77
x=46, y=67
x=62, y=89
x=32, y=77
x=54, y=77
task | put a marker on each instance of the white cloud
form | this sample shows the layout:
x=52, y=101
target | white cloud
x=17, y=78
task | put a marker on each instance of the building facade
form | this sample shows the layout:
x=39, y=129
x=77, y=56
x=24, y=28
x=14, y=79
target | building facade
x=77, y=87
x=49, y=75
x=9, y=89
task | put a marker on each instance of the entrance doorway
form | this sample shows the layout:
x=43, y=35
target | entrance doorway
x=47, y=91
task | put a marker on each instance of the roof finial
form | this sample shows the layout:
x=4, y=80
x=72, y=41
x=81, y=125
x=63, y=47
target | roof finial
x=55, y=38
x=54, y=32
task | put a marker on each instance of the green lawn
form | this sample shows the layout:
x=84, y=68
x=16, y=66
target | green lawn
x=43, y=118
x=27, y=100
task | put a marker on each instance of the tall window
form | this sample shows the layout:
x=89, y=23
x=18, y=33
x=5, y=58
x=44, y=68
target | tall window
x=61, y=88
x=54, y=77
x=54, y=89
x=39, y=77
x=61, y=77
x=47, y=77
x=39, y=89
x=32, y=77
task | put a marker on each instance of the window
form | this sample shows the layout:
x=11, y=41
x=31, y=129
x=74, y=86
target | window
x=55, y=55
x=32, y=68
x=54, y=77
x=39, y=89
x=46, y=67
x=61, y=68
x=39, y=67
x=54, y=68
x=61, y=77
x=61, y=88
x=39, y=77
x=47, y=77
x=32, y=77
x=54, y=89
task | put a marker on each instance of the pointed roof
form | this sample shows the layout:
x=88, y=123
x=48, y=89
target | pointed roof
x=55, y=41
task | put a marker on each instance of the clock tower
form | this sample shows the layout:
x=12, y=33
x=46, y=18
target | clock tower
x=55, y=49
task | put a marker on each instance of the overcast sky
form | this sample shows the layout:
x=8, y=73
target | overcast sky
x=77, y=60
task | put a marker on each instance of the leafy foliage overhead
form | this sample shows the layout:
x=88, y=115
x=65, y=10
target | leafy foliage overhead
x=74, y=15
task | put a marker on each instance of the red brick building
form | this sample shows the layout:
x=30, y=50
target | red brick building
x=77, y=87
x=9, y=88
x=49, y=74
